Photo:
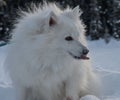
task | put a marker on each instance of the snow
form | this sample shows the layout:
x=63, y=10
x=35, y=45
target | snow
x=89, y=97
x=105, y=60
x=4, y=78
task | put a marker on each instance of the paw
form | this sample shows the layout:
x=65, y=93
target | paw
x=69, y=98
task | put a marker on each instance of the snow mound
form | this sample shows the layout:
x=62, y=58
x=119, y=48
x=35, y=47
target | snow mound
x=89, y=97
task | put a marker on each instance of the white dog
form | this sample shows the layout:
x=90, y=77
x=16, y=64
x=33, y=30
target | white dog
x=47, y=59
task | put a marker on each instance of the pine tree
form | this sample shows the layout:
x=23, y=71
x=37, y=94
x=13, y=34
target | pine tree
x=95, y=22
x=116, y=19
x=4, y=22
x=101, y=17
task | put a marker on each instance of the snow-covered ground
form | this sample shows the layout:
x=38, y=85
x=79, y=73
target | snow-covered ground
x=105, y=60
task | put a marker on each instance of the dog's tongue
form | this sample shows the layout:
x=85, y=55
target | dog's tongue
x=84, y=57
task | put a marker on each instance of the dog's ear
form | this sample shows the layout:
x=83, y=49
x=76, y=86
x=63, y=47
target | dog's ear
x=51, y=19
x=74, y=13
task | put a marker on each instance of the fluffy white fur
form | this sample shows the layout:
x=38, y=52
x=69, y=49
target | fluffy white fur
x=39, y=61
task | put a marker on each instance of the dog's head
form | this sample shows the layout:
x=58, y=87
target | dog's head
x=53, y=31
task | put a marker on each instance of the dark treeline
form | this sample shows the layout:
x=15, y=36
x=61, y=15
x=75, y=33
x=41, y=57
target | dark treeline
x=102, y=17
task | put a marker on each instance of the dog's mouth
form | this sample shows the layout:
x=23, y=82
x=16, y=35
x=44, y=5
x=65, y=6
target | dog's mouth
x=83, y=57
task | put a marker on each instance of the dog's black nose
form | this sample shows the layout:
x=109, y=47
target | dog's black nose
x=85, y=51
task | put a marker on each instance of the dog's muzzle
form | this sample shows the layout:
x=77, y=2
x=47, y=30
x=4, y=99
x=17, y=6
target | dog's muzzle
x=83, y=55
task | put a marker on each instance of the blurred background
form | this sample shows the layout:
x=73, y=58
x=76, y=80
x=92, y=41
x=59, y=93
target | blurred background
x=102, y=17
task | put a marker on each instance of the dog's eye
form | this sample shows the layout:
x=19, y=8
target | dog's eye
x=68, y=38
